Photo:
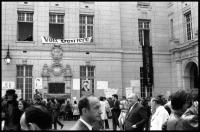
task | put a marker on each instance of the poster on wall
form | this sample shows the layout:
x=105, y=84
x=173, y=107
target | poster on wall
x=85, y=87
x=102, y=84
x=38, y=83
x=110, y=91
x=8, y=85
x=19, y=93
x=76, y=84
x=135, y=84
x=129, y=90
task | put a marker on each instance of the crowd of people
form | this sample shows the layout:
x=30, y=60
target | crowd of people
x=178, y=112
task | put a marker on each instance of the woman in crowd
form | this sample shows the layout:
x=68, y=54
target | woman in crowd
x=68, y=111
x=75, y=110
x=22, y=105
x=104, y=108
x=124, y=108
x=160, y=115
x=180, y=102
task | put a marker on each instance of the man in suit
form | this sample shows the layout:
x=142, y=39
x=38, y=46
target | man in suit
x=115, y=111
x=136, y=116
x=90, y=112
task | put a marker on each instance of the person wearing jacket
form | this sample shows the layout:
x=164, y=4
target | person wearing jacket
x=160, y=116
x=10, y=111
x=180, y=102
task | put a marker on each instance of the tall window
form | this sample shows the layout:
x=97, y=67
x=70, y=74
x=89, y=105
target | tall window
x=86, y=26
x=56, y=25
x=188, y=25
x=87, y=73
x=172, y=28
x=143, y=4
x=25, y=26
x=24, y=80
x=144, y=32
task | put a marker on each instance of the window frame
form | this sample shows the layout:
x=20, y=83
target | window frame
x=141, y=29
x=85, y=30
x=188, y=24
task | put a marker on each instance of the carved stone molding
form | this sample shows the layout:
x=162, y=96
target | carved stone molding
x=45, y=71
x=57, y=53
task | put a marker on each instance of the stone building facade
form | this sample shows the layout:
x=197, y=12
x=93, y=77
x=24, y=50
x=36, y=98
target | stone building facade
x=114, y=55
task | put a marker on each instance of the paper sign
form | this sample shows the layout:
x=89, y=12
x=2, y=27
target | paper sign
x=102, y=84
x=109, y=92
x=135, y=83
x=38, y=83
x=3, y=92
x=8, y=85
x=129, y=91
x=74, y=98
x=76, y=84
x=19, y=93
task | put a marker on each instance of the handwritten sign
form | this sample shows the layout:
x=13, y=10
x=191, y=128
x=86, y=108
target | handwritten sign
x=38, y=83
x=76, y=84
x=8, y=85
x=129, y=91
x=49, y=40
x=109, y=92
x=102, y=84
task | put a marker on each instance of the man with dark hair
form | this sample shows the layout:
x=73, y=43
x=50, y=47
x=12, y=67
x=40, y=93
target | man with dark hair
x=180, y=102
x=36, y=117
x=115, y=111
x=10, y=111
x=90, y=112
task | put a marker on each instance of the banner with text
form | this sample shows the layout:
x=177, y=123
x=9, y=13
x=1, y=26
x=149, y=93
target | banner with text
x=109, y=92
x=49, y=40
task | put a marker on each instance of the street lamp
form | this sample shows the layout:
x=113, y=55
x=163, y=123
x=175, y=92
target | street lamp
x=8, y=58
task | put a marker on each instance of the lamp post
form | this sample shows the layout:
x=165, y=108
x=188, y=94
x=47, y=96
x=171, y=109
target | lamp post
x=8, y=58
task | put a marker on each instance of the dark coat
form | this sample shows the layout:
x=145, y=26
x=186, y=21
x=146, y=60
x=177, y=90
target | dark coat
x=14, y=118
x=80, y=126
x=137, y=116
x=116, y=109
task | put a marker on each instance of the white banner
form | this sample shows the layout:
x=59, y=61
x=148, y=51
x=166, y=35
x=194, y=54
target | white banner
x=129, y=91
x=3, y=92
x=8, y=85
x=49, y=40
x=135, y=83
x=76, y=84
x=38, y=83
x=19, y=93
x=102, y=84
x=109, y=92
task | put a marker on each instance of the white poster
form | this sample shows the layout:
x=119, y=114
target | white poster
x=8, y=85
x=135, y=83
x=76, y=84
x=3, y=92
x=19, y=93
x=109, y=92
x=38, y=83
x=102, y=84
x=129, y=90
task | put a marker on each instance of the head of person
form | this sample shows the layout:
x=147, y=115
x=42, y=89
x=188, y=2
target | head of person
x=123, y=97
x=156, y=101
x=36, y=117
x=22, y=105
x=181, y=101
x=89, y=108
x=101, y=98
x=132, y=98
x=115, y=97
x=75, y=102
x=10, y=95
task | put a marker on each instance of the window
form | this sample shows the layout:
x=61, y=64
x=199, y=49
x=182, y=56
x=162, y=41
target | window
x=143, y=4
x=25, y=26
x=56, y=25
x=87, y=73
x=172, y=28
x=188, y=25
x=144, y=29
x=24, y=80
x=86, y=26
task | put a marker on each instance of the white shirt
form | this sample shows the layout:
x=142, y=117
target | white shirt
x=159, y=118
x=88, y=125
